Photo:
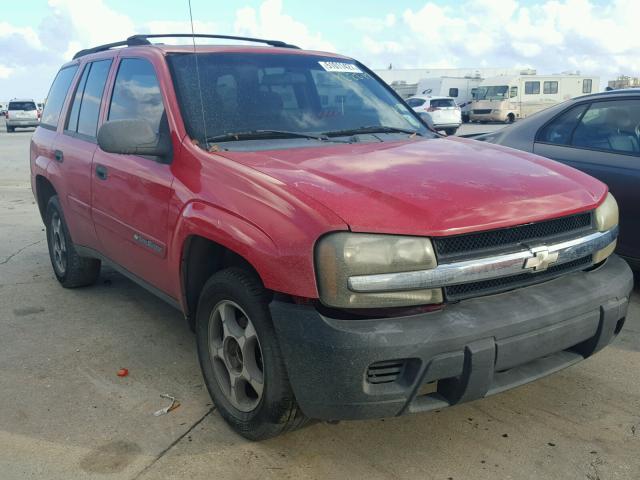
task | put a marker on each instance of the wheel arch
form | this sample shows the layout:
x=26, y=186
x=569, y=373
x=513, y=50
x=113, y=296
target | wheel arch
x=44, y=191
x=208, y=239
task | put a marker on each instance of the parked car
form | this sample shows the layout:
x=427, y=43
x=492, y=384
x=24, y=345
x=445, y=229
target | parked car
x=21, y=113
x=336, y=260
x=598, y=134
x=442, y=112
x=461, y=89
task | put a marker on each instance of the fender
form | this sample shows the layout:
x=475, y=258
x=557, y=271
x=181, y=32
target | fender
x=290, y=273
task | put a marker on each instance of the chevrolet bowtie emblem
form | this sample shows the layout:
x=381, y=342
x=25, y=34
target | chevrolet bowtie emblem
x=541, y=259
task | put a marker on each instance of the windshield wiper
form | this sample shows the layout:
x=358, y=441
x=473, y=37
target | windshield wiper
x=370, y=129
x=266, y=134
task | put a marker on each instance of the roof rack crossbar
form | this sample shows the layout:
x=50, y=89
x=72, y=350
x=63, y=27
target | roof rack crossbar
x=143, y=39
x=273, y=43
x=107, y=46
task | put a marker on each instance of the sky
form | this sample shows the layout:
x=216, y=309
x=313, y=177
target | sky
x=591, y=36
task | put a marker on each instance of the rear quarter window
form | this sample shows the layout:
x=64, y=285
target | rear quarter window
x=57, y=94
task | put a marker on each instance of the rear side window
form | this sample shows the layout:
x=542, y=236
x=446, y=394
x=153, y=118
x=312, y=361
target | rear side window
x=85, y=110
x=560, y=129
x=453, y=92
x=531, y=88
x=442, y=102
x=136, y=93
x=28, y=106
x=57, y=94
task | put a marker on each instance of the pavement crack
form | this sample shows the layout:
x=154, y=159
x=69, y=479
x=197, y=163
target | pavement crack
x=20, y=250
x=173, y=444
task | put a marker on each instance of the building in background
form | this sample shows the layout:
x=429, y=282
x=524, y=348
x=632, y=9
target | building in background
x=405, y=80
x=624, y=81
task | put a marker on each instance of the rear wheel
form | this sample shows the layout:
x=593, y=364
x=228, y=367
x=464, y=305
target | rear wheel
x=10, y=129
x=70, y=269
x=241, y=359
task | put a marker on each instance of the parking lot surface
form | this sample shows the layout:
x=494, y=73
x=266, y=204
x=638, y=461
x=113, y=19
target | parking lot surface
x=65, y=414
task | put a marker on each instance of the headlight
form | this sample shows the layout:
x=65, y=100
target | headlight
x=606, y=216
x=342, y=255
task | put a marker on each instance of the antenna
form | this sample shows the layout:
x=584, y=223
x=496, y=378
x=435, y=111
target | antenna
x=195, y=56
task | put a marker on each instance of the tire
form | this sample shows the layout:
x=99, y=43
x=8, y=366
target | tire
x=450, y=131
x=510, y=118
x=11, y=129
x=239, y=297
x=70, y=269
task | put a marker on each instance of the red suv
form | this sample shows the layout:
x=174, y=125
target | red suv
x=336, y=259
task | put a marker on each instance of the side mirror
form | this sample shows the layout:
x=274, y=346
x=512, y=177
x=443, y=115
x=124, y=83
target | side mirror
x=133, y=137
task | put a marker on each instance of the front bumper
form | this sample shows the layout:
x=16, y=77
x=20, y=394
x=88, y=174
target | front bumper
x=442, y=126
x=466, y=351
x=487, y=117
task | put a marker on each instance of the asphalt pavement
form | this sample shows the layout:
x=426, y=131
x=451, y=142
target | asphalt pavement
x=65, y=414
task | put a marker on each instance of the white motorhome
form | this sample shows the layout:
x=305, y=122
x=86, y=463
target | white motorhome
x=461, y=89
x=507, y=98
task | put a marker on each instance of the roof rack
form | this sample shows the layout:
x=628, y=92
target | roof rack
x=143, y=39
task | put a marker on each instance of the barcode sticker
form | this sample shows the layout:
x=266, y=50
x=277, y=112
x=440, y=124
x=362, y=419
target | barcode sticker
x=340, y=67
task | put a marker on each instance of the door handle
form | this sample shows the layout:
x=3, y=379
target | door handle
x=58, y=156
x=101, y=172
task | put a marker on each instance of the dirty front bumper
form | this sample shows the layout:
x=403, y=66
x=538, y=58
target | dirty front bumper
x=351, y=369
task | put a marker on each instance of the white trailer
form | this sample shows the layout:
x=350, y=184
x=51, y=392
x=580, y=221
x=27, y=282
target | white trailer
x=461, y=89
x=507, y=98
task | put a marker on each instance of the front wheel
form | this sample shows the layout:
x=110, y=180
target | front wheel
x=240, y=357
x=450, y=131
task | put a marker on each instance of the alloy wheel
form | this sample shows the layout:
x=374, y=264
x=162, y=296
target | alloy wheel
x=236, y=356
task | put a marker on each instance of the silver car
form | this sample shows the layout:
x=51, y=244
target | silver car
x=22, y=113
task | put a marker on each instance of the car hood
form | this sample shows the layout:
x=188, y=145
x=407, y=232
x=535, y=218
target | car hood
x=429, y=187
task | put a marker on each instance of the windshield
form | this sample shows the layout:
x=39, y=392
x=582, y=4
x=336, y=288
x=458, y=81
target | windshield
x=492, y=92
x=301, y=94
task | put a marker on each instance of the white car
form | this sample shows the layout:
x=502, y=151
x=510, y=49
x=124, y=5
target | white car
x=22, y=113
x=441, y=112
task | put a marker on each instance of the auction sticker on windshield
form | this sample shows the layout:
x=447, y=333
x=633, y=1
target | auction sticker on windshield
x=340, y=67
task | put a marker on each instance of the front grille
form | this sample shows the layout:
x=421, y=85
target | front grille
x=385, y=372
x=482, y=111
x=497, y=285
x=511, y=239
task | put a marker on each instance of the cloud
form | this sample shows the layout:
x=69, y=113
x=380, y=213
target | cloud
x=371, y=24
x=551, y=36
x=5, y=71
x=269, y=21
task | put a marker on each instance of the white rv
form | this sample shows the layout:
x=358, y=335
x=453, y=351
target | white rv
x=461, y=89
x=506, y=98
